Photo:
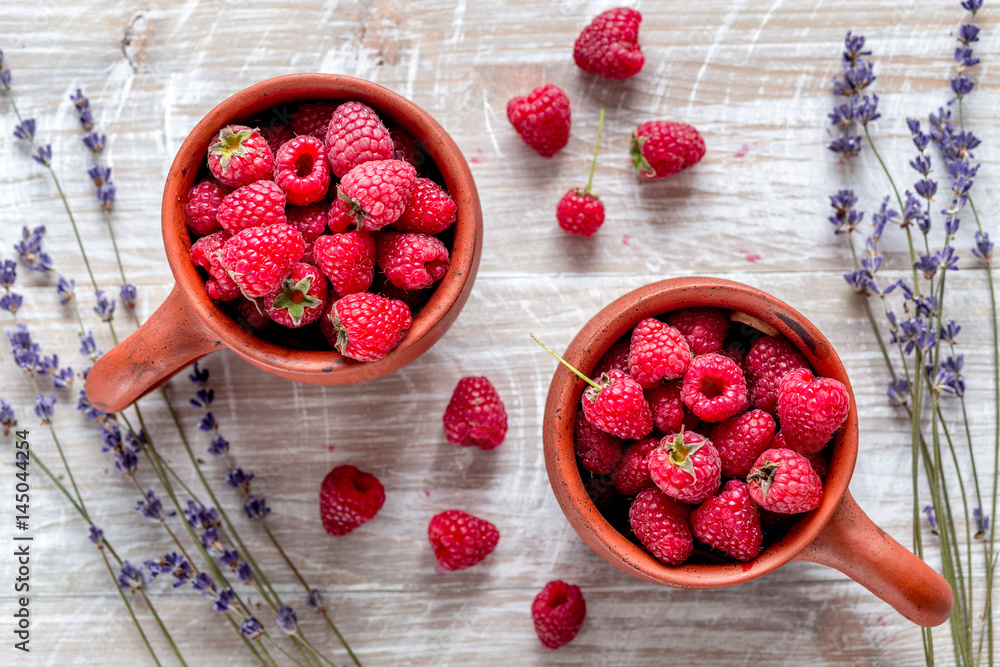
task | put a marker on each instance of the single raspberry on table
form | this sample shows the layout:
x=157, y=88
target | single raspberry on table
x=811, y=409
x=205, y=253
x=201, y=210
x=410, y=260
x=258, y=204
x=348, y=498
x=366, y=326
x=542, y=119
x=662, y=524
x=377, y=191
x=657, y=351
x=430, y=209
x=300, y=299
x=616, y=357
x=766, y=363
x=355, y=134
x=405, y=147
x=598, y=452
x=632, y=475
x=714, y=388
x=259, y=258
x=742, y=439
x=302, y=171
x=669, y=413
x=663, y=148
x=783, y=481
x=705, y=329
x=475, y=416
x=312, y=119
x=609, y=45
x=347, y=259
x=730, y=522
x=580, y=211
x=239, y=156
x=558, y=612
x=461, y=540
x=686, y=466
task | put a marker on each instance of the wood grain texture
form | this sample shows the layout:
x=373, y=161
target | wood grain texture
x=753, y=75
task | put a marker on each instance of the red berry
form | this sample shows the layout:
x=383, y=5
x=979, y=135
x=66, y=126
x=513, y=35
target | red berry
x=811, y=409
x=300, y=299
x=205, y=253
x=405, y=147
x=366, y=326
x=475, y=416
x=341, y=216
x=252, y=315
x=657, y=352
x=348, y=498
x=412, y=261
x=461, y=540
x=415, y=299
x=741, y=439
x=310, y=221
x=558, y=612
x=632, y=475
x=783, y=481
x=618, y=407
x=766, y=362
x=259, y=204
x=239, y=156
x=662, y=148
x=259, y=258
x=714, y=388
x=378, y=191
x=609, y=46
x=580, y=212
x=202, y=206
x=730, y=522
x=301, y=170
x=347, y=259
x=686, y=466
x=542, y=119
x=599, y=452
x=616, y=357
x=669, y=414
x=662, y=525
x=312, y=119
x=430, y=210
x=355, y=134
x=705, y=329
x=274, y=132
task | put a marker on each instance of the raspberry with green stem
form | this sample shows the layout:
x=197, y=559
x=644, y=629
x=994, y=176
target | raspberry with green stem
x=580, y=211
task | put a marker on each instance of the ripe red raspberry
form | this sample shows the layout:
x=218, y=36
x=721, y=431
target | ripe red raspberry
x=355, y=134
x=378, y=191
x=202, y=206
x=741, y=439
x=430, y=210
x=618, y=407
x=783, y=481
x=475, y=416
x=730, y=522
x=405, y=147
x=714, y=388
x=705, y=329
x=415, y=299
x=341, y=216
x=366, y=326
x=819, y=463
x=662, y=525
x=616, y=357
x=766, y=362
x=274, y=132
x=259, y=258
x=737, y=353
x=662, y=148
x=609, y=46
x=461, y=540
x=347, y=259
x=310, y=221
x=686, y=466
x=348, y=498
x=657, y=352
x=669, y=414
x=301, y=170
x=811, y=409
x=558, y=612
x=632, y=475
x=239, y=156
x=259, y=204
x=580, y=212
x=542, y=119
x=205, y=253
x=411, y=261
x=312, y=119
x=300, y=299
x=252, y=316
x=599, y=452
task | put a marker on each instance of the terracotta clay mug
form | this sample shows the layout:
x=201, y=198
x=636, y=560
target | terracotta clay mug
x=189, y=325
x=837, y=533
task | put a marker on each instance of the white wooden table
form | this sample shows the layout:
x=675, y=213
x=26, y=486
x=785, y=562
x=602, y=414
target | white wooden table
x=752, y=75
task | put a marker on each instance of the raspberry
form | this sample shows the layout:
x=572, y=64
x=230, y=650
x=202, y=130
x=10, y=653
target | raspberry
x=461, y=540
x=205, y=253
x=251, y=314
x=599, y=452
x=542, y=119
x=355, y=134
x=239, y=156
x=580, y=212
x=558, y=612
x=730, y=522
x=202, y=206
x=378, y=191
x=274, y=132
x=430, y=210
x=767, y=361
x=705, y=329
x=347, y=259
x=609, y=46
x=405, y=147
x=737, y=353
x=714, y=388
x=475, y=416
x=662, y=525
x=301, y=170
x=810, y=409
x=741, y=439
x=348, y=498
x=783, y=481
x=632, y=475
x=818, y=463
x=259, y=258
x=669, y=415
x=411, y=261
x=312, y=119
x=310, y=221
x=686, y=466
x=616, y=357
x=366, y=326
x=300, y=299
x=662, y=148
x=414, y=299
x=259, y=204
x=657, y=352
x=341, y=216
x=618, y=407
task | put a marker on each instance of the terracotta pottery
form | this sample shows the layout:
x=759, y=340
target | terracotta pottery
x=189, y=324
x=837, y=533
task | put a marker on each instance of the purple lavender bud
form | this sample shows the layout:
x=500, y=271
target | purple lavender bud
x=972, y=5
x=63, y=378
x=207, y=422
x=982, y=523
x=866, y=108
x=315, y=600
x=922, y=163
x=88, y=347
x=86, y=119
x=8, y=273
x=94, y=141
x=25, y=129
x=105, y=307
x=961, y=85
x=964, y=57
x=126, y=462
x=287, y=620
x=898, y=392
x=240, y=480
x=29, y=249
x=83, y=404
x=99, y=175
x=846, y=146
x=203, y=398
x=45, y=407
x=198, y=376
x=151, y=508
x=11, y=302
x=202, y=582
x=80, y=100
x=968, y=33
x=201, y=518
x=128, y=295
x=225, y=599
x=106, y=195
x=43, y=155
x=984, y=247
x=244, y=573
x=96, y=536
x=64, y=288
x=949, y=331
x=7, y=418
x=130, y=577
x=256, y=508
x=926, y=188
x=842, y=116
x=229, y=558
x=251, y=628
x=218, y=446
x=931, y=519
x=853, y=47
x=927, y=264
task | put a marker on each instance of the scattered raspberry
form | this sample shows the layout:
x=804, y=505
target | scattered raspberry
x=616, y=358
x=312, y=119
x=767, y=361
x=259, y=204
x=475, y=416
x=461, y=540
x=714, y=388
x=348, y=498
x=378, y=191
x=430, y=210
x=239, y=156
x=274, y=132
x=599, y=452
x=341, y=216
x=259, y=258
x=301, y=170
x=741, y=439
x=662, y=525
x=366, y=326
x=542, y=119
x=811, y=409
x=405, y=147
x=411, y=261
x=632, y=475
x=705, y=329
x=730, y=522
x=558, y=612
x=662, y=148
x=580, y=212
x=609, y=46
x=782, y=481
x=355, y=134
x=202, y=206
x=347, y=259
x=252, y=316
x=300, y=299
x=205, y=253
x=686, y=466
x=618, y=407
x=657, y=352
x=669, y=415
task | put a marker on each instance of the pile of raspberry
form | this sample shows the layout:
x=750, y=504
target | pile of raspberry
x=328, y=231
x=706, y=437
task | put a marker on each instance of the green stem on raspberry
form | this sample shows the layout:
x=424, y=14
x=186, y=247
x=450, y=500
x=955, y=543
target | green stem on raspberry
x=566, y=363
x=597, y=147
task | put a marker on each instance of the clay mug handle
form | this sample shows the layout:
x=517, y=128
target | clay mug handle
x=852, y=543
x=171, y=338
